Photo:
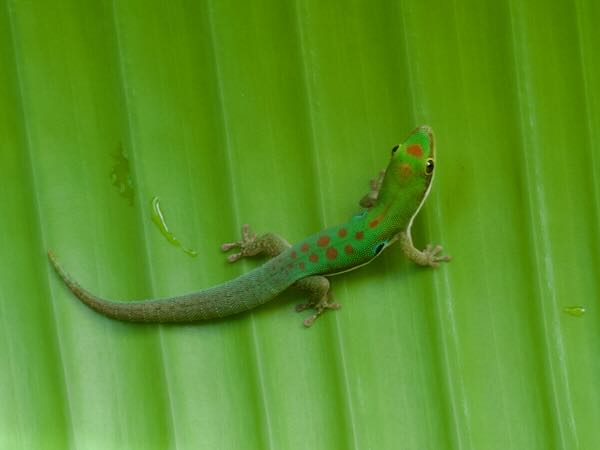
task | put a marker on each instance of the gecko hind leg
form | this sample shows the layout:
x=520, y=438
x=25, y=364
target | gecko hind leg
x=250, y=245
x=318, y=287
x=320, y=297
x=371, y=197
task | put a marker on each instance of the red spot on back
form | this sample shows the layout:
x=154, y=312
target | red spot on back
x=415, y=150
x=360, y=234
x=323, y=241
x=373, y=223
x=342, y=232
x=301, y=265
x=314, y=257
x=348, y=249
x=304, y=247
x=331, y=253
x=293, y=254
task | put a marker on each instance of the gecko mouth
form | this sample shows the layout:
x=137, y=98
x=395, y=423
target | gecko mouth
x=427, y=129
x=431, y=144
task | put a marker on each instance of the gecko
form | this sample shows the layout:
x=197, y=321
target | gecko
x=386, y=216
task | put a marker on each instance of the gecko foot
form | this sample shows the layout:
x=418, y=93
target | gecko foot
x=371, y=197
x=431, y=257
x=319, y=307
x=246, y=245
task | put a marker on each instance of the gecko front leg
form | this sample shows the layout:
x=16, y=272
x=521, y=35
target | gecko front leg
x=371, y=197
x=428, y=257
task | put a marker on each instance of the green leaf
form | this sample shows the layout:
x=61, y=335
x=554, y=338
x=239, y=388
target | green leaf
x=277, y=114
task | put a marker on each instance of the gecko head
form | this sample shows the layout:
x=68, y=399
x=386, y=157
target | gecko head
x=412, y=163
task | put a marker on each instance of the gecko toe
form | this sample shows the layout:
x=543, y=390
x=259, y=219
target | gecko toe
x=303, y=307
x=234, y=257
x=310, y=320
x=228, y=246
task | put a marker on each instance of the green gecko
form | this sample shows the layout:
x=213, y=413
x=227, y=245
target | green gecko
x=387, y=215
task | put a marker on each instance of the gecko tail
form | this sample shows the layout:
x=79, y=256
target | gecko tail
x=241, y=294
x=110, y=308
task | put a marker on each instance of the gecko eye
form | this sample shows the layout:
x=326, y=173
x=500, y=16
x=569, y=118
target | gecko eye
x=429, y=167
x=395, y=148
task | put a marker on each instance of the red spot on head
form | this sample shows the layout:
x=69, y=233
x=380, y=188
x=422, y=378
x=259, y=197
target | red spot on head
x=415, y=150
x=304, y=247
x=301, y=265
x=293, y=254
x=373, y=223
x=348, y=249
x=331, y=253
x=314, y=257
x=342, y=232
x=360, y=234
x=323, y=241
